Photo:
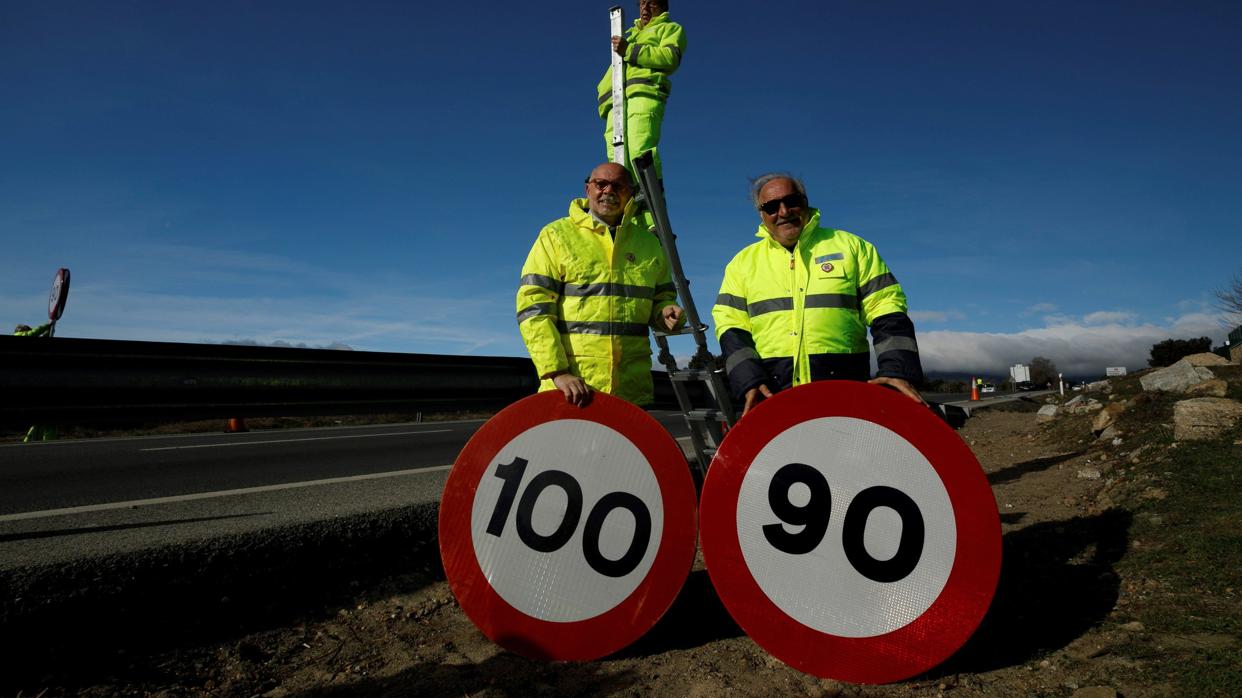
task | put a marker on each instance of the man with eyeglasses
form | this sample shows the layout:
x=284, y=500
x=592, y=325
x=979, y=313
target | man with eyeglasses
x=592, y=285
x=652, y=50
x=795, y=306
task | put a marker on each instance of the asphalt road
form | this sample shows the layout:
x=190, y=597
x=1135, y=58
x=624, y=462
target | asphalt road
x=67, y=475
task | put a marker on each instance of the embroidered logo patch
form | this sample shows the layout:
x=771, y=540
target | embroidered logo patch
x=830, y=257
x=629, y=257
x=826, y=266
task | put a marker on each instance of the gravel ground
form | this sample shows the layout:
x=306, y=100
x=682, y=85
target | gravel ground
x=1060, y=611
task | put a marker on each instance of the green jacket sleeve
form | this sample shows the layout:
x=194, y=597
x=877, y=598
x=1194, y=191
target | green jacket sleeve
x=35, y=332
x=664, y=54
x=879, y=293
x=538, y=291
x=665, y=295
x=737, y=345
x=729, y=312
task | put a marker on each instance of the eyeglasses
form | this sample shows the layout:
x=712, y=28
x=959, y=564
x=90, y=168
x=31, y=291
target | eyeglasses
x=606, y=184
x=791, y=201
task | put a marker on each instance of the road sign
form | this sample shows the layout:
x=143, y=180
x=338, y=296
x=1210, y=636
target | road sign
x=1020, y=373
x=59, y=295
x=1115, y=371
x=567, y=532
x=850, y=532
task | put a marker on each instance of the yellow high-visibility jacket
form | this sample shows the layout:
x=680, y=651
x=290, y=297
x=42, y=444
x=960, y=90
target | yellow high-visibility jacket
x=787, y=317
x=654, y=53
x=34, y=332
x=585, y=302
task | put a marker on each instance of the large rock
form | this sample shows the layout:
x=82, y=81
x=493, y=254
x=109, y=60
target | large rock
x=1213, y=388
x=1176, y=378
x=1235, y=353
x=1098, y=386
x=1091, y=405
x=1207, y=358
x=1047, y=413
x=1202, y=418
x=1107, y=416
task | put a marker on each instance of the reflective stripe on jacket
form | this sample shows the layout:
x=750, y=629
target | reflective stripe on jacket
x=789, y=317
x=653, y=54
x=585, y=302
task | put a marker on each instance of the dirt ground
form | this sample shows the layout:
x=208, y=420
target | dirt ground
x=1060, y=612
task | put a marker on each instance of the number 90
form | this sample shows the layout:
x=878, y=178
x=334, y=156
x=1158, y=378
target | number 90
x=813, y=518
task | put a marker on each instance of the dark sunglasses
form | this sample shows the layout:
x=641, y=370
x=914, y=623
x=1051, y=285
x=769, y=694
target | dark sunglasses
x=791, y=201
x=605, y=185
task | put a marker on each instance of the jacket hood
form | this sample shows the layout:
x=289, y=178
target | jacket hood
x=811, y=224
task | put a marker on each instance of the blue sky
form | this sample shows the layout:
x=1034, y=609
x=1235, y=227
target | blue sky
x=1053, y=178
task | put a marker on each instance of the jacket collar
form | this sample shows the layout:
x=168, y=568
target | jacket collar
x=811, y=224
x=580, y=215
x=658, y=19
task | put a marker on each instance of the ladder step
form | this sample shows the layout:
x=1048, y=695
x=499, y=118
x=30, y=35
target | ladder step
x=703, y=415
x=685, y=330
x=690, y=375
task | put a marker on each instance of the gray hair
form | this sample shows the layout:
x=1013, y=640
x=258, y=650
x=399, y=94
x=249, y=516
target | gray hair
x=758, y=183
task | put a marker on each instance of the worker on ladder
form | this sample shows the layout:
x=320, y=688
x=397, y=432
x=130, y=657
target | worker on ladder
x=651, y=51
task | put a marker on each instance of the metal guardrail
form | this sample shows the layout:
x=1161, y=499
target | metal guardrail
x=86, y=380
x=61, y=380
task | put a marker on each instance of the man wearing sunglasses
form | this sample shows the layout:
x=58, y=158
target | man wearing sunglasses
x=652, y=50
x=592, y=285
x=795, y=306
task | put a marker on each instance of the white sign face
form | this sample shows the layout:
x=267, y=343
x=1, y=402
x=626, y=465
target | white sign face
x=1115, y=371
x=836, y=515
x=1020, y=373
x=567, y=520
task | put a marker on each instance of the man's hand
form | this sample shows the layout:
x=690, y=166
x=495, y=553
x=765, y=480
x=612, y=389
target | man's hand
x=903, y=386
x=673, y=317
x=619, y=45
x=576, y=391
x=754, y=396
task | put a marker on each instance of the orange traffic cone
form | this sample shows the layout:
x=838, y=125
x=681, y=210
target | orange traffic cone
x=236, y=426
x=974, y=389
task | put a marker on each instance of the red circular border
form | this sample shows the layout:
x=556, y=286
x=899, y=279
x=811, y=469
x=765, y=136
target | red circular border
x=614, y=629
x=907, y=651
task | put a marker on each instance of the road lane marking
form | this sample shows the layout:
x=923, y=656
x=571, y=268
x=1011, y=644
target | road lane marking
x=289, y=441
x=135, y=503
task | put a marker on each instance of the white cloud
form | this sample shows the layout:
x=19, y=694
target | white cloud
x=936, y=315
x=1077, y=347
x=1040, y=308
x=1106, y=317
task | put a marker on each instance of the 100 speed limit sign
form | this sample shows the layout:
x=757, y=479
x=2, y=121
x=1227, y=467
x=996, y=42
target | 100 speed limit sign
x=567, y=532
x=850, y=532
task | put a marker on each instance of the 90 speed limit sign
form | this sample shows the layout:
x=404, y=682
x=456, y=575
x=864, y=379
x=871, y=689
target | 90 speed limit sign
x=850, y=532
x=567, y=532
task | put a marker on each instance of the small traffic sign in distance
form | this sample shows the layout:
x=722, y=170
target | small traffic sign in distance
x=850, y=532
x=58, y=295
x=567, y=532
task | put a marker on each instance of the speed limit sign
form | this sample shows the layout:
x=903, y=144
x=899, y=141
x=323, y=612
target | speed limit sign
x=850, y=532
x=567, y=532
x=59, y=295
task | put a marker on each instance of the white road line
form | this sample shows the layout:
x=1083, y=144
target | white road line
x=210, y=495
x=289, y=441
